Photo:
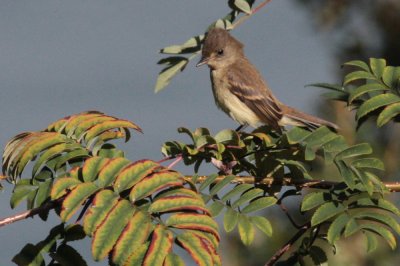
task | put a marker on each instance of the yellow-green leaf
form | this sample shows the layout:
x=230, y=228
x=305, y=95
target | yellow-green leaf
x=160, y=245
x=61, y=185
x=193, y=221
x=325, y=212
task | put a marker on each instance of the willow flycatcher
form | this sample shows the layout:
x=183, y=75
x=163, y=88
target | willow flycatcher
x=240, y=90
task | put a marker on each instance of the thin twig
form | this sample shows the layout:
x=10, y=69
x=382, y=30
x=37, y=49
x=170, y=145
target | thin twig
x=286, y=211
x=278, y=254
x=247, y=16
x=177, y=160
x=30, y=213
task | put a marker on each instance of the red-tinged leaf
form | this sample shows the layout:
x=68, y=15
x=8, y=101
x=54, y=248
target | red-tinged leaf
x=58, y=125
x=160, y=245
x=110, y=229
x=92, y=167
x=193, y=221
x=173, y=260
x=79, y=120
x=154, y=183
x=196, y=247
x=110, y=170
x=137, y=257
x=102, y=203
x=132, y=237
x=133, y=173
x=210, y=237
x=75, y=199
x=61, y=185
x=178, y=203
x=180, y=191
x=107, y=125
x=88, y=123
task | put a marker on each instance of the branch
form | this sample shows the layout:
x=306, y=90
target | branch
x=288, y=181
x=30, y=213
x=278, y=254
x=255, y=10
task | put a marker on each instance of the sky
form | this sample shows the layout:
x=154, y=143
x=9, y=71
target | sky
x=63, y=57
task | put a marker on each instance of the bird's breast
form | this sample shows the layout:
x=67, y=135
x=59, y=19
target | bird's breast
x=230, y=103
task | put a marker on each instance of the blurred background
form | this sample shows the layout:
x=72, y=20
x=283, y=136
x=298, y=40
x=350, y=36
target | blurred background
x=64, y=57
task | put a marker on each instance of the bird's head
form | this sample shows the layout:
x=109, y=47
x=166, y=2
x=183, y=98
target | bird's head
x=220, y=49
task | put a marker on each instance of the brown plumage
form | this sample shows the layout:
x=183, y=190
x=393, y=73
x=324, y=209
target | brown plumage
x=240, y=90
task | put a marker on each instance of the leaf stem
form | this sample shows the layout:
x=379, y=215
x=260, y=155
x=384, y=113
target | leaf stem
x=247, y=16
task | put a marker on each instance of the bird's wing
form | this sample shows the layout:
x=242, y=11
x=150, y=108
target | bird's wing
x=248, y=85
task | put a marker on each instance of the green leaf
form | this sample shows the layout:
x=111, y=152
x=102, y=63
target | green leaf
x=351, y=227
x=259, y=204
x=366, y=88
x=382, y=231
x=248, y=196
x=75, y=199
x=236, y=191
x=135, y=234
x=110, y=170
x=160, y=245
x=220, y=185
x=67, y=255
x=92, y=167
x=353, y=151
x=21, y=191
x=357, y=75
x=318, y=255
x=391, y=77
x=377, y=66
x=61, y=185
x=178, y=203
x=376, y=102
x=103, y=202
x=326, y=211
x=43, y=192
x=372, y=163
x=209, y=180
x=313, y=200
x=336, y=228
x=297, y=134
x=215, y=208
x=358, y=63
x=107, y=233
x=193, y=221
x=195, y=247
x=227, y=136
x=263, y=224
x=388, y=113
x=175, y=64
x=230, y=219
x=379, y=217
x=133, y=173
x=348, y=176
x=246, y=230
x=243, y=6
x=372, y=243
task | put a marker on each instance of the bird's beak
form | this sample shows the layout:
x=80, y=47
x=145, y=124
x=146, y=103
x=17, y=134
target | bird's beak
x=203, y=61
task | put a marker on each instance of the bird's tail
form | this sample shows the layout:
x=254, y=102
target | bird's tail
x=295, y=117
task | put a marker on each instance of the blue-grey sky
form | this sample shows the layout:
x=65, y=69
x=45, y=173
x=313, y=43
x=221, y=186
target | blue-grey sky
x=63, y=57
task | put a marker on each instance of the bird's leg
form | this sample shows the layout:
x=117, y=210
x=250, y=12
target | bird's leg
x=241, y=127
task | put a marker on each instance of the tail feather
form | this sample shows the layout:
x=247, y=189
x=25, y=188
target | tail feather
x=295, y=117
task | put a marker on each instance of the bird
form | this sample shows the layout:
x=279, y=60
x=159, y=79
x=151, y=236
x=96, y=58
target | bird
x=240, y=90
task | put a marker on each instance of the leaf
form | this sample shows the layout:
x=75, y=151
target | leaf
x=336, y=228
x=165, y=76
x=259, y=204
x=227, y=136
x=102, y=203
x=107, y=233
x=138, y=256
x=348, y=176
x=92, y=167
x=43, y=192
x=383, y=232
x=193, y=221
x=236, y=191
x=173, y=260
x=67, y=255
x=357, y=75
x=318, y=255
x=373, y=163
x=75, y=199
x=328, y=86
x=110, y=170
x=248, y=196
x=372, y=243
x=353, y=151
x=351, y=227
x=376, y=102
x=297, y=134
x=243, y=6
x=391, y=77
x=220, y=185
x=263, y=224
x=325, y=212
x=132, y=237
x=366, y=88
x=379, y=217
x=377, y=66
x=313, y=200
x=196, y=248
x=107, y=125
x=246, y=230
x=21, y=191
x=160, y=246
x=230, y=219
x=61, y=185
x=215, y=208
x=133, y=173
x=358, y=63
x=209, y=180
x=178, y=203
x=388, y=113
x=153, y=183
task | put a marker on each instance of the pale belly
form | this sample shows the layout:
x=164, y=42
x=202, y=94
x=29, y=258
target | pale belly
x=231, y=104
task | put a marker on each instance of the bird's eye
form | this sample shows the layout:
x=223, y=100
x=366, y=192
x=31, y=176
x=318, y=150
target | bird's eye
x=220, y=52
